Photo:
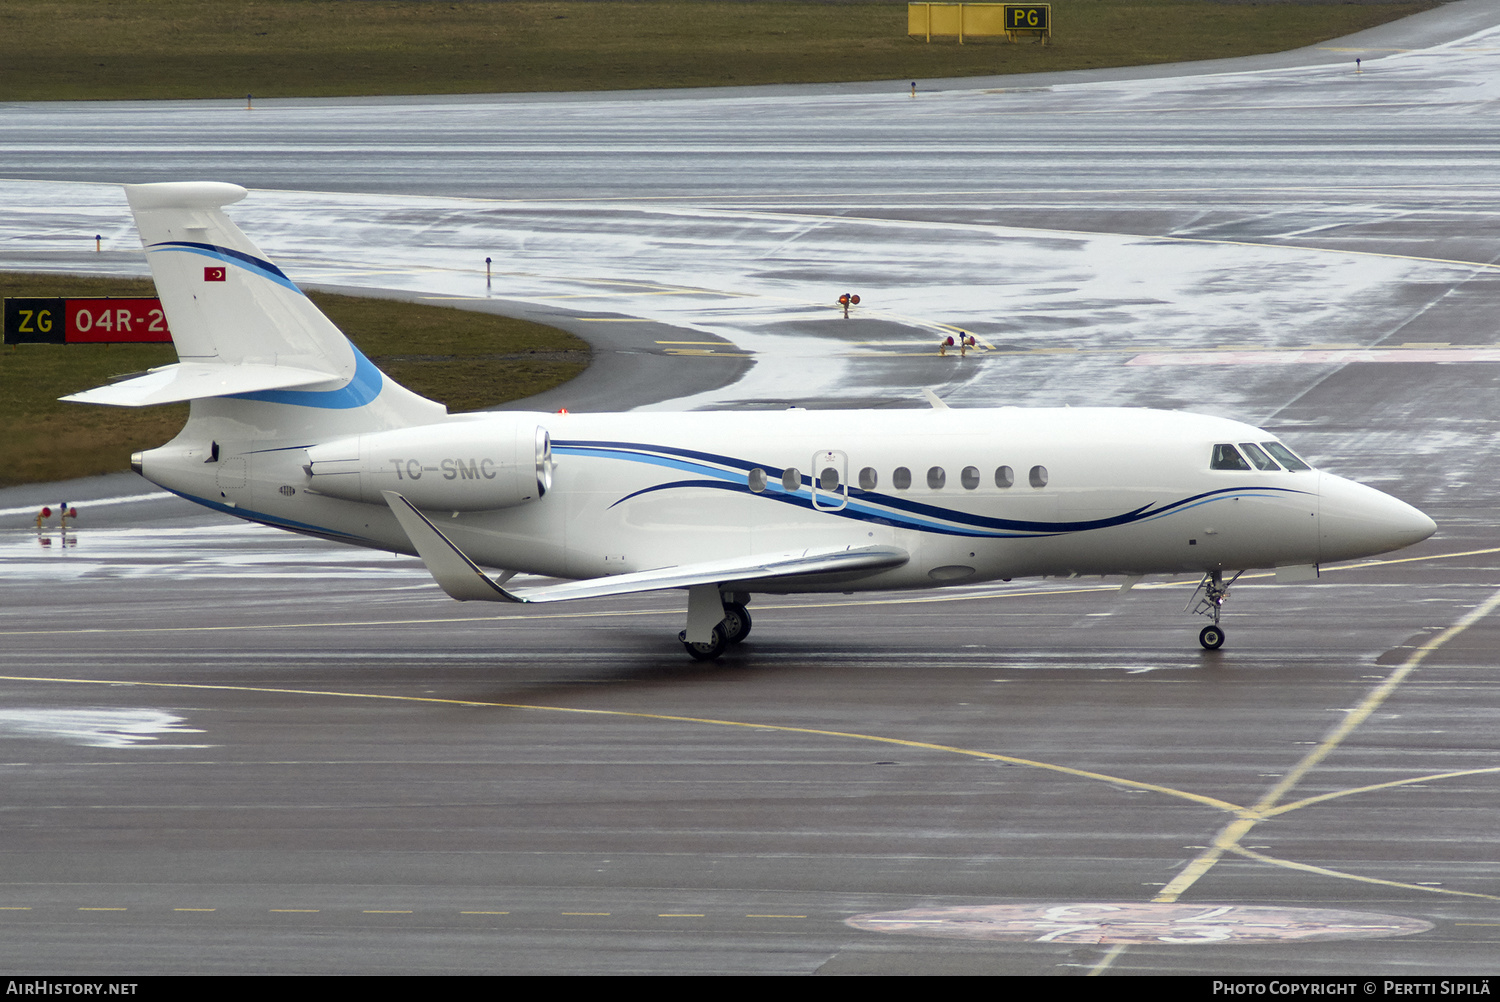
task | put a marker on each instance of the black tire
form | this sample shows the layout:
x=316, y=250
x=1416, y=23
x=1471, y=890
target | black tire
x=708, y=651
x=1212, y=638
x=736, y=625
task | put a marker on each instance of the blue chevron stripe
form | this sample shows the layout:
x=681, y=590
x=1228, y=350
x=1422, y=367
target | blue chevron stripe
x=362, y=388
x=873, y=506
x=230, y=256
x=306, y=528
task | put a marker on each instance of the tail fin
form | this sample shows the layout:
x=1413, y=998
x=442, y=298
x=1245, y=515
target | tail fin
x=243, y=331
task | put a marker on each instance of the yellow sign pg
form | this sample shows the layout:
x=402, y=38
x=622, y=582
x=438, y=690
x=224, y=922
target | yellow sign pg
x=1028, y=17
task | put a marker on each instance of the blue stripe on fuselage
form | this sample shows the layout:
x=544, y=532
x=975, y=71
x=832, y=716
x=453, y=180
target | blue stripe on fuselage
x=867, y=505
x=291, y=525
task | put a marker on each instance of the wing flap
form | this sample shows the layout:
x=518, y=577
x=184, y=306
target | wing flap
x=760, y=567
x=461, y=578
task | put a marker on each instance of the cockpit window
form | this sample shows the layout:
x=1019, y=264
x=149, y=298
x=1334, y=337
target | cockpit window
x=1258, y=457
x=1227, y=457
x=1288, y=458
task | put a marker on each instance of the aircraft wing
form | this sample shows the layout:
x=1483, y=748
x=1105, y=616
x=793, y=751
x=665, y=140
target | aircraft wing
x=462, y=579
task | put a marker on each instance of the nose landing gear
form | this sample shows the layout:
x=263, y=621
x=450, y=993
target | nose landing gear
x=1208, y=600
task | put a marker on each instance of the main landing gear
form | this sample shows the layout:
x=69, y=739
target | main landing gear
x=732, y=628
x=736, y=624
x=706, y=650
x=1209, y=600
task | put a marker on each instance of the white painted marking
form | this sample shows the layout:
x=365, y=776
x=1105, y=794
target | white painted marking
x=88, y=503
x=1139, y=923
x=1318, y=357
x=94, y=728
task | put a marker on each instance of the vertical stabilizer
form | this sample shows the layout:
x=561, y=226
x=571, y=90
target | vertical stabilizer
x=224, y=301
x=246, y=337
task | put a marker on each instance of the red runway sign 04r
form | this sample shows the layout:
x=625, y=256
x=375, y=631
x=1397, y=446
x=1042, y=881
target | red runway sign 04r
x=84, y=321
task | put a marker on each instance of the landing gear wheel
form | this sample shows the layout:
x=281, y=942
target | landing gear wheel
x=708, y=651
x=736, y=624
x=1212, y=638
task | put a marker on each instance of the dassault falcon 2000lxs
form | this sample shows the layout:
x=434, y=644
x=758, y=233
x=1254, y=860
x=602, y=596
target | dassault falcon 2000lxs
x=291, y=426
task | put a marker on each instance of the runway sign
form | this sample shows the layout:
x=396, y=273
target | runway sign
x=1028, y=17
x=978, y=20
x=84, y=321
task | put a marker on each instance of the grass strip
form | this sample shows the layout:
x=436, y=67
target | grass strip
x=114, y=49
x=467, y=360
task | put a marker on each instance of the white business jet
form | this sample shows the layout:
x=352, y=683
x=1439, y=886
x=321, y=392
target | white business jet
x=291, y=426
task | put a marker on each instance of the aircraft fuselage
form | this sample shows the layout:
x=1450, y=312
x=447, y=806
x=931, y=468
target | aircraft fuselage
x=971, y=495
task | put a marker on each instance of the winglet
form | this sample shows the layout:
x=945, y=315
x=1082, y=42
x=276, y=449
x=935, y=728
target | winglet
x=454, y=572
x=933, y=399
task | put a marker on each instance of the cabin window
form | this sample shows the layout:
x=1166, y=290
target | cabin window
x=969, y=477
x=757, y=480
x=791, y=479
x=828, y=480
x=1004, y=476
x=868, y=479
x=1038, y=476
x=901, y=478
x=936, y=478
x=1227, y=457
x=1258, y=457
x=1287, y=456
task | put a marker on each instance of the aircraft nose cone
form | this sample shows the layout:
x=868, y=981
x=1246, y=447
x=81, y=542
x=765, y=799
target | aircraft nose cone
x=1359, y=521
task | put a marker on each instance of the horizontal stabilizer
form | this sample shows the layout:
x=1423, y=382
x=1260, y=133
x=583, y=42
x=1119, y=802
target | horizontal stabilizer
x=195, y=380
x=461, y=578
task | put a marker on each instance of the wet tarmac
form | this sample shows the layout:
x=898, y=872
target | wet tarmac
x=227, y=749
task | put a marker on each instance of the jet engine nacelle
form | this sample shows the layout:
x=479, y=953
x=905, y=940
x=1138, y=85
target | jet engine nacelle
x=467, y=466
